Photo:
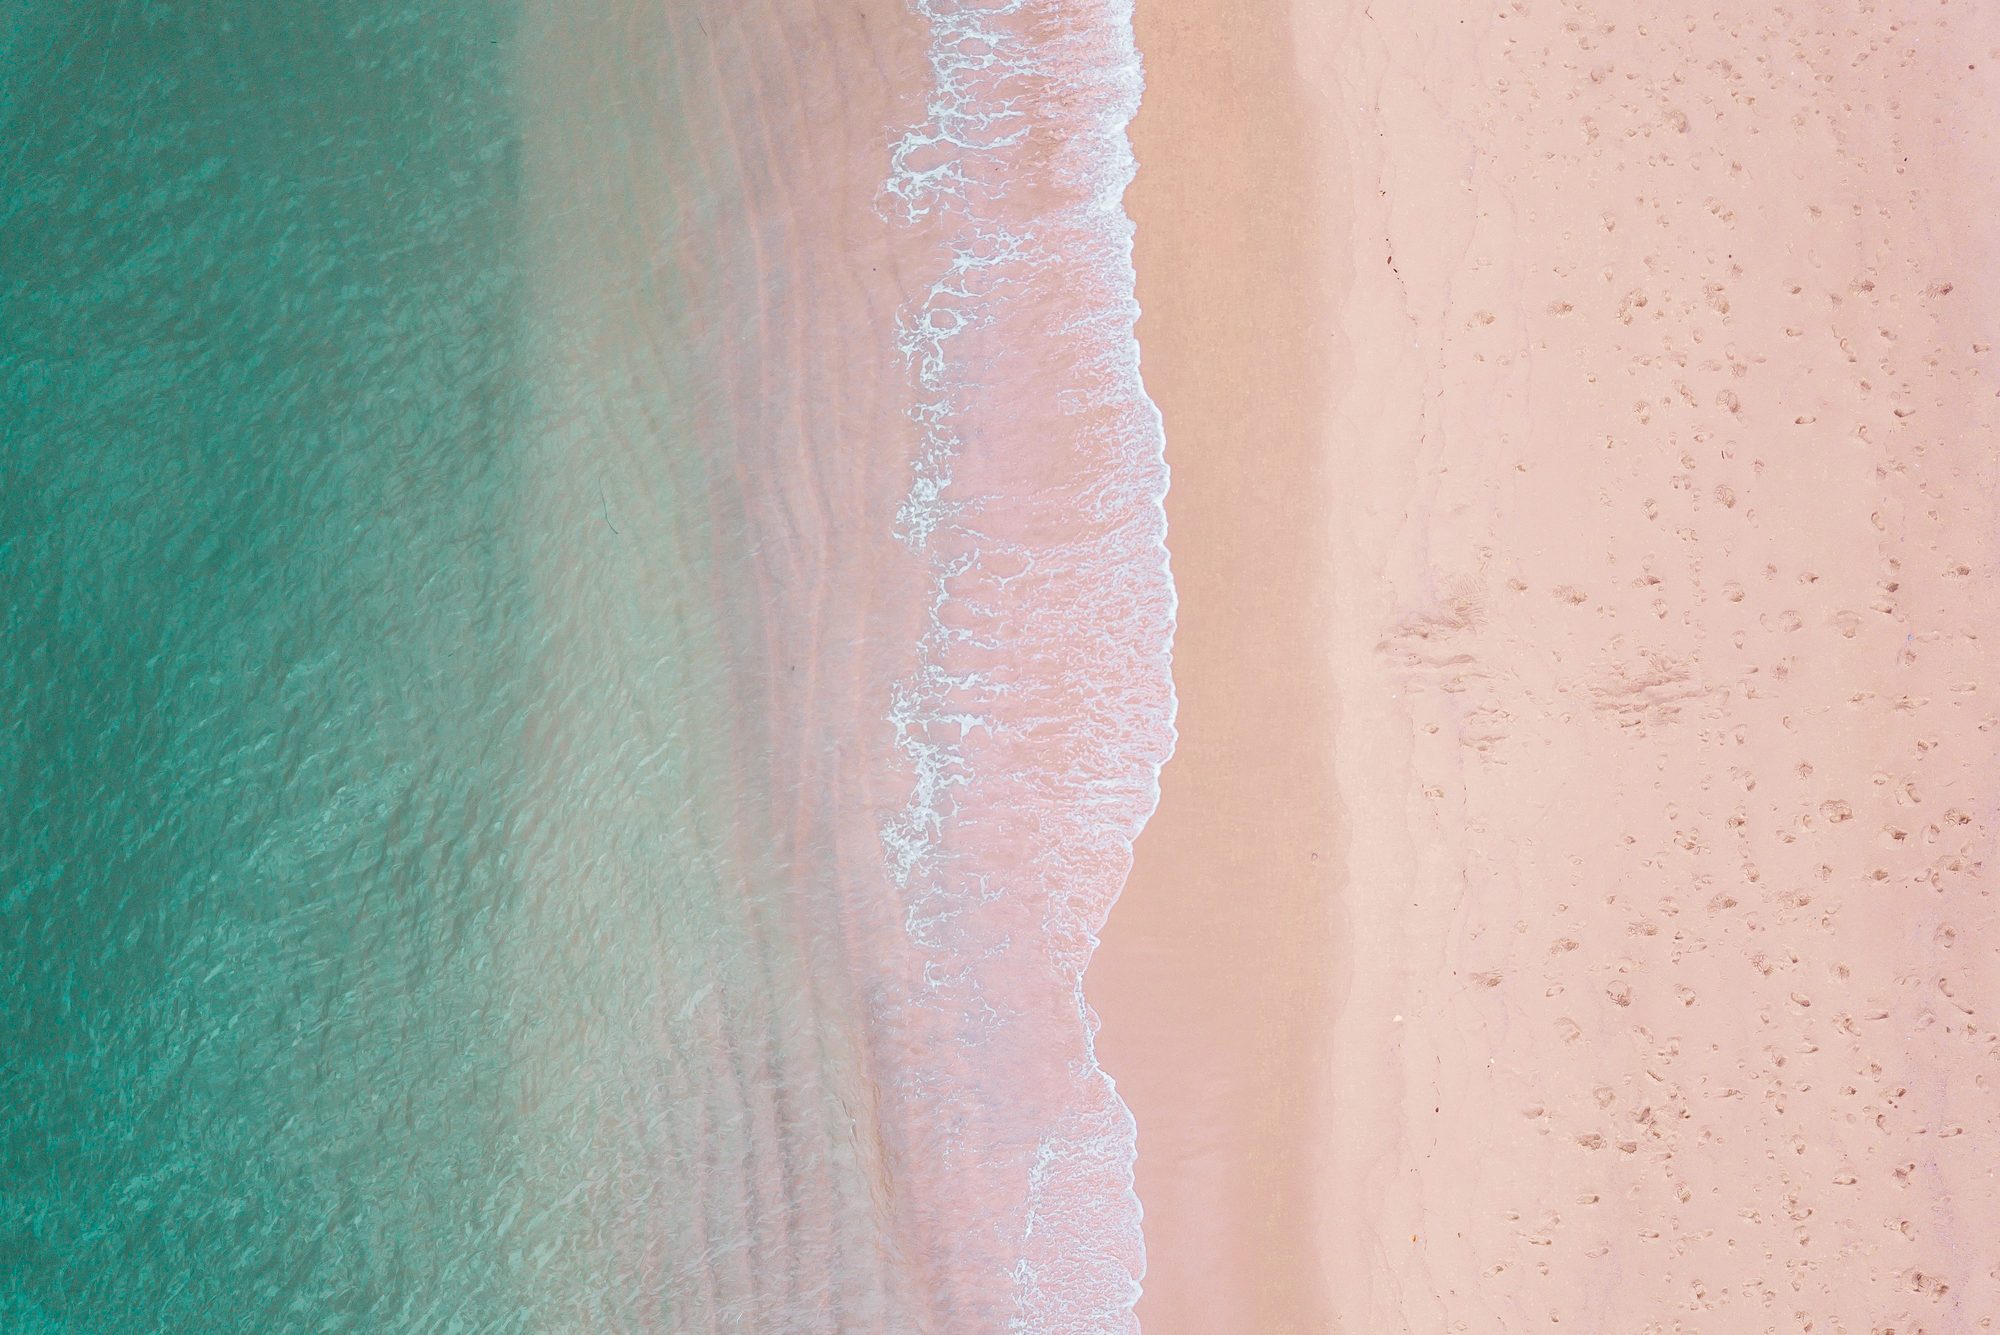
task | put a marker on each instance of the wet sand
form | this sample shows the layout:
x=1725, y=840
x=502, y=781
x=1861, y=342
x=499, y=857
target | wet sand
x=1215, y=978
x=1619, y=634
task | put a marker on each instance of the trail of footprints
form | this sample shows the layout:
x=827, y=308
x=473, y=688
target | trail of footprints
x=1742, y=996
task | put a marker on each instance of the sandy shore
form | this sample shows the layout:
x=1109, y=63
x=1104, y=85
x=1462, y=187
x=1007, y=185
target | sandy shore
x=1570, y=902
x=1215, y=979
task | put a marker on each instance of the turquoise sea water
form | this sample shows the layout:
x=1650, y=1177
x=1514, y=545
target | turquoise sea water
x=267, y=677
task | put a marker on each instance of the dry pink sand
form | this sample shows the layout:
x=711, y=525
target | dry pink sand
x=1654, y=584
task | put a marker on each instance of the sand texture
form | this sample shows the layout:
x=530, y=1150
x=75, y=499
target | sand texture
x=1649, y=568
x=1215, y=974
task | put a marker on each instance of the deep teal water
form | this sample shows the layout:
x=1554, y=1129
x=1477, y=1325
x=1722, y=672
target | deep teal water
x=266, y=639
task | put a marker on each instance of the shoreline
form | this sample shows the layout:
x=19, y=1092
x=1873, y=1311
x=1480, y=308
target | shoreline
x=1217, y=964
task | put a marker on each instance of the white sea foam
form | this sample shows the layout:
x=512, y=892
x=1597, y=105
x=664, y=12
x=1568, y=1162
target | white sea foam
x=1039, y=706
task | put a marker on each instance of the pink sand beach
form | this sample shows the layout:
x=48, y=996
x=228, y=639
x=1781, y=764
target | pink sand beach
x=1570, y=903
